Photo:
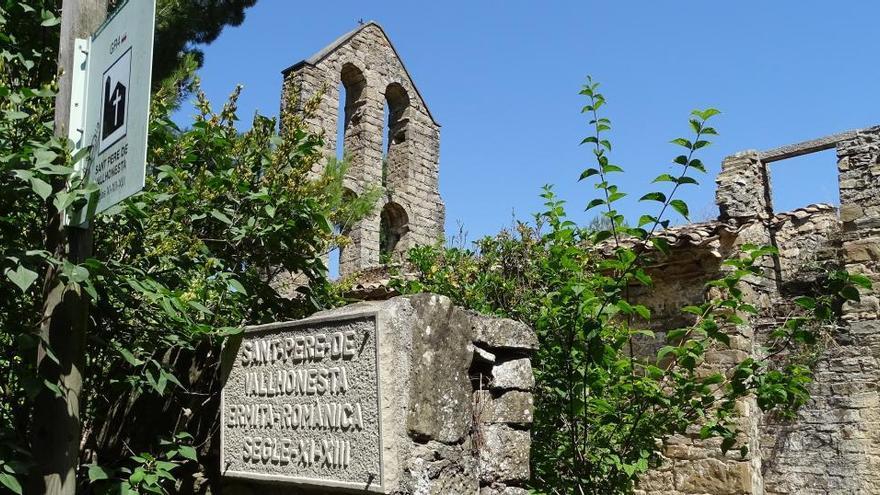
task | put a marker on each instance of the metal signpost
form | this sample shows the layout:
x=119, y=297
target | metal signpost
x=110, y=105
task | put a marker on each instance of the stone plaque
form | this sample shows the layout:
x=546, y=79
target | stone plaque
x=302, y=404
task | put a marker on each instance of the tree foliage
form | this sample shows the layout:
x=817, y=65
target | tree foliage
x=601, y=403
x=181, y=25
x=228, y=224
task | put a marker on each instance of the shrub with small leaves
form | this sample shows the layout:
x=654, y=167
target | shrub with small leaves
x=602, y=408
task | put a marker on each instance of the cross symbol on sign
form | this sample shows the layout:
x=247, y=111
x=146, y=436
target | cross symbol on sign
x=117, y=99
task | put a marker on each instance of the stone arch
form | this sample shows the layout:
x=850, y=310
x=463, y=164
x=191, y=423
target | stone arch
x=347, y=254
x=397, y=101
x=353, y=98
x=393, y=228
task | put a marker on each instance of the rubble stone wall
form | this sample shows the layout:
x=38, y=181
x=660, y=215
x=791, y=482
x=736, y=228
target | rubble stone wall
x=833, y=446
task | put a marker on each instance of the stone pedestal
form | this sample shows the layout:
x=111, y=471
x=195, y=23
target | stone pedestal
x=406, y=396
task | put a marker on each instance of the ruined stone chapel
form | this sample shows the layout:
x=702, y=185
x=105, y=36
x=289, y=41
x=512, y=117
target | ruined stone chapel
x=389, y=138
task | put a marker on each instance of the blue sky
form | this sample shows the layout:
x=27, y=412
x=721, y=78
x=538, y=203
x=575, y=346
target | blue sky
x=502, y=78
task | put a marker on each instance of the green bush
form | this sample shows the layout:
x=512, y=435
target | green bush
x=226, y=218
x=603, y=410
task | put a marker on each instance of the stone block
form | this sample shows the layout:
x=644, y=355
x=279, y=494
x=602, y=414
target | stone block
x=713, y=476
x=512, y=407
x=503, y=454
x=515, y=374
x=850, y=213
x=503, y=333
x=440, y=469
x=503, y=490
x=396, y=396
x=440, y=404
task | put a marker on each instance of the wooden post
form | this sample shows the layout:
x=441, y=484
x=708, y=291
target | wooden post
x=57, y=426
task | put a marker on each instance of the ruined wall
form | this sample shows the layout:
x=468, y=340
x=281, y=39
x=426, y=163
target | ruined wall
x=366, y=65
x=833, y=447
x=447, y=391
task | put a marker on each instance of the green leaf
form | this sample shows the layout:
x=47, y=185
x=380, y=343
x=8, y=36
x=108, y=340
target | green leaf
x=588, y=173
x=200, y=307
x=11, y=483
x=861, y=280
x=615, y=196
x=643, y=311
x=49, y=19
x=664, y=351
x=97, y=472
x=654, y=196
x=682, y=142
x=660, y=244
x=129, y=356
x=850, y=293
x=697, y=164
x=15, y=115
x=54, y=388
x=41, y=187
x=664, y=178
x=646, y=219
x=22, y=277
x=221, y=216
x=188, y=452
x=680, y=206
x=594, y=203
x=706, y=114
x=805, y=302
x=235, y=286
x=694, y=310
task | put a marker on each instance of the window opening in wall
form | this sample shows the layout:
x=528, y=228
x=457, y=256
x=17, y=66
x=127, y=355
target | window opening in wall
x=351, y=92
x=804, y=180
x=385, y=144
x=394, y=132
x=340, y=128
x=393, y=225
x=333, y=263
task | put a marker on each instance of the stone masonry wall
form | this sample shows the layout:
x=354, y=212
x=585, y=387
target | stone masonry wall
x=456, y=395
x=833, y=446
x=366, y=64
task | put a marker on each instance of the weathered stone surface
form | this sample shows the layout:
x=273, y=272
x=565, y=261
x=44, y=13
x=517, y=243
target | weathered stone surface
x=503, y=332
x=713, y=476
x=316, y=381
x=514, y=374
x=512, y=407
x=440, y=405
x=440, y=469
x=483, y=356
x=833, y=446
x=367, y=66
x=504, y=456
x=503, y=490
x=741, y=188
x=850, y=213
x=420, y=436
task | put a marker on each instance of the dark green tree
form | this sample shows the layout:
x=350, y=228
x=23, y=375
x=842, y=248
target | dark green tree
x=183, y=25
